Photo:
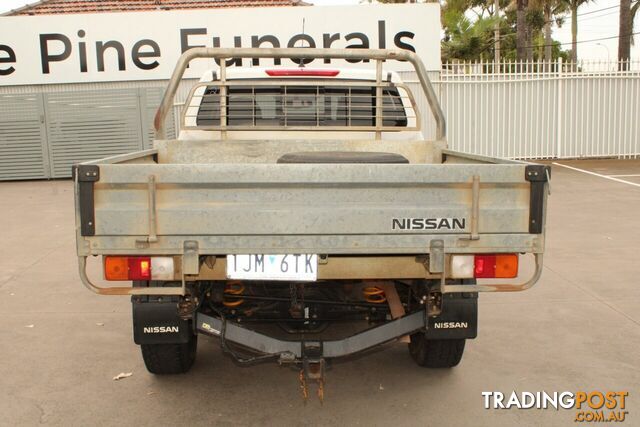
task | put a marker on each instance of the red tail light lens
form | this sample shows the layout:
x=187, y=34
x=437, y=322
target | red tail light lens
x=302, y=72
x=481, y=266
x=484, y=266
x=502, y=266
x=127, y=268
x=140, y=268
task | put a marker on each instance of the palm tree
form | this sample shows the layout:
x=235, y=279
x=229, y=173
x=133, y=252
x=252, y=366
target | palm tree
x=388, y=1
x=573, y=6
x=528, y=23
x=634, y=12
x=521, y=29
x=553, y=11
x=625, y=30
x=463, y=38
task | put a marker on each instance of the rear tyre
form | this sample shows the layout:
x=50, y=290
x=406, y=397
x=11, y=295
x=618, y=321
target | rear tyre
x=167, y=359
x=435, y=353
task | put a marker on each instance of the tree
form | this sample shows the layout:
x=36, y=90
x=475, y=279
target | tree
x=552, y=11
x=624, y=34
x=521, y=29
x=634, y=12
x=470, y=30
x=573, y=6
x=496, y=31
x=625, y=31
x=464, y=38
x=390, y=1
x=529, y=22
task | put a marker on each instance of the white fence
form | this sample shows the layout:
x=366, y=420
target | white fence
x=533, y=111
x=539, y=110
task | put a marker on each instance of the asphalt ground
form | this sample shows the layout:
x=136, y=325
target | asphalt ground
x=578, y=329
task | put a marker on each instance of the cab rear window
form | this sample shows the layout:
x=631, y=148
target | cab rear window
x=301, y=106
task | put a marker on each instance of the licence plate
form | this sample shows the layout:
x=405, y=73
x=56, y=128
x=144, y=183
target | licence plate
x=295, y=267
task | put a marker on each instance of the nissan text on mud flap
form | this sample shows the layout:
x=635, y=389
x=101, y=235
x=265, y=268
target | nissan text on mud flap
x=302, y=216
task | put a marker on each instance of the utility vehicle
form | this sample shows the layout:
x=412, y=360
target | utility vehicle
x=301, y=216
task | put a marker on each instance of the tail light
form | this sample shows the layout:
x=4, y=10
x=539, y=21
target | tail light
x=138, y=268
x=484, y=266
x=284, y=72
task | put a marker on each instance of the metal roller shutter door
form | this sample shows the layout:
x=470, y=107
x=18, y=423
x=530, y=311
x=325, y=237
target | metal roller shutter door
x=91, y=125
x=43, y=135
x=22, y=150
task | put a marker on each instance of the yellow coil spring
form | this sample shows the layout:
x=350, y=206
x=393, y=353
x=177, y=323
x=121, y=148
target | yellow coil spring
x=374, y=295
x=233, y=288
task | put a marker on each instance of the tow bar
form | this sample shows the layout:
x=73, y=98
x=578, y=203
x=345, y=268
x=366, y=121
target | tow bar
x=312, y=369
x=311, y=354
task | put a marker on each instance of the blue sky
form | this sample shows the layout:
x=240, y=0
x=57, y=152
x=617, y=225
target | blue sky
x=594, y=23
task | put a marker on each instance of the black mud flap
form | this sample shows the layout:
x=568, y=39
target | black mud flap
x=157, y=322
x=459, y=318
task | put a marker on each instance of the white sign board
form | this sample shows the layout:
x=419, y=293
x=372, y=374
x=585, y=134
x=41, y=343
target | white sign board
x=146, y=45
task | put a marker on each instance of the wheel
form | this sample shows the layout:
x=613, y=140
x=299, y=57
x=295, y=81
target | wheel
x=166, y=359
x=435, y=353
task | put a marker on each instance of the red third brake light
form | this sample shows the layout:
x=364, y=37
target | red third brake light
x=302, y=72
